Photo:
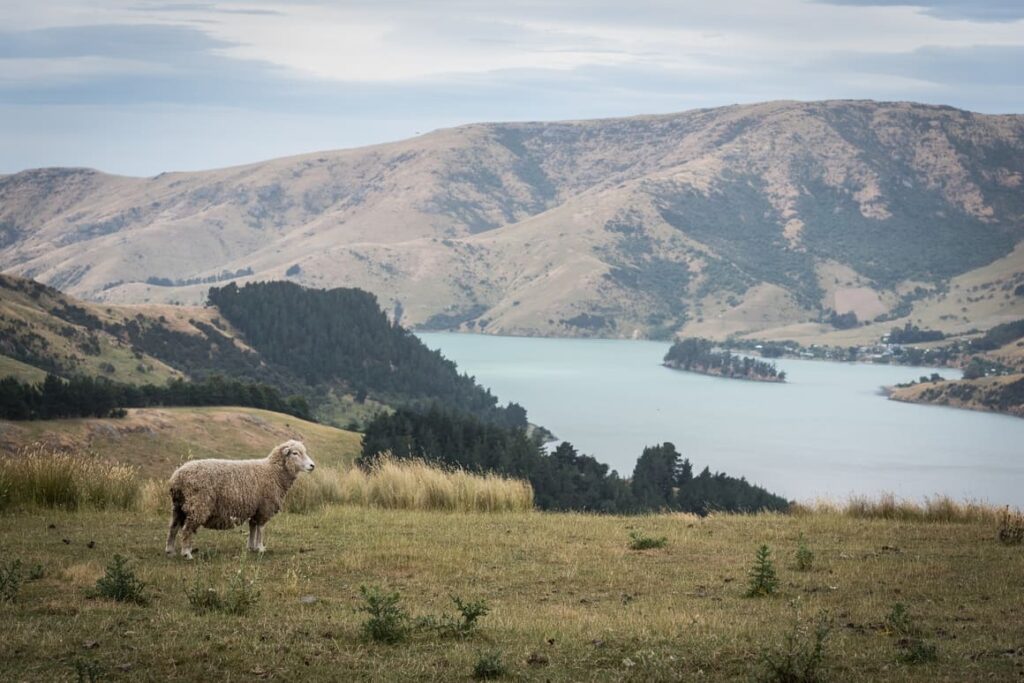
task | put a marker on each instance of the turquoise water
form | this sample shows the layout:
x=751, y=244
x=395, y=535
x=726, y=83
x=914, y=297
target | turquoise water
x=827, y=432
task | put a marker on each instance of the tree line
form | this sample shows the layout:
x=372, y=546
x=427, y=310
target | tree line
x=700, y=355
x=343, y=335
x=80, y=396
x=563, y=479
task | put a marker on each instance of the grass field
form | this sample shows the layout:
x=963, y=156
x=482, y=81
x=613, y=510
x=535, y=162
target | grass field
x=569, y=601
x=156, y=440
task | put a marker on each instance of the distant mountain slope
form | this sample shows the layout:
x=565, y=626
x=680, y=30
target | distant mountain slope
x=336, y=348
x=732, y=220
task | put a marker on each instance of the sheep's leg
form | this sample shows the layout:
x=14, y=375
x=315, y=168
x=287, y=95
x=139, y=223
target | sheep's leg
x=177, y=520
x=189, y=530
x=253, y=533
x=259, y=538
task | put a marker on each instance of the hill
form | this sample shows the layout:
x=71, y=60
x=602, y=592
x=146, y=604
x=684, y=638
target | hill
x=157, y=440
x=568, y=600
x=335, y=348
x=1001, y=394
x=736, y=220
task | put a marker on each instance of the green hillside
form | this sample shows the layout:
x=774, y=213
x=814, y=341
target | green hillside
x=335, y=348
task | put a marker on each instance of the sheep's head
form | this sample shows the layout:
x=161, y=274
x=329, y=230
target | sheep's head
x=292, y=456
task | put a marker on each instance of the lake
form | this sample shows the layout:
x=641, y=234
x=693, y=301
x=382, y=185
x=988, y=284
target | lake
x=825, y=433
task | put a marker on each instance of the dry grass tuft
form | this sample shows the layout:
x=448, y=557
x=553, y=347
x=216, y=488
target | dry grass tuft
x=410, y=485
x=942, y=509
x=39, y=476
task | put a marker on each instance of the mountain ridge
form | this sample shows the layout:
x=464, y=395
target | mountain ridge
x=741, y=219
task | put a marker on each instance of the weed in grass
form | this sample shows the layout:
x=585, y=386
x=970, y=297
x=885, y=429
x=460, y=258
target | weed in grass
x=388, y=622
x=804, y=556
x=120, y=583
x=917, y=651
x=1011, y=527
x=801, y=656
x=240, y=595
x=87, y=671
x=202, y=597
x=638, y=541
x=898, y=621
x=36, y=572
x=10, y=580
x=469, y=613
x=489, y=665
x=913, y=649
x=763, y=579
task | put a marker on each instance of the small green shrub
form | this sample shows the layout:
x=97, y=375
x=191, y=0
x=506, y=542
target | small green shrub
x=912, y=648
x=36, y=572
x=203, y=597
x=87, y=671
x=240, y=595
x=445, y=625
x=804, y=556
x=917, y=651
x=120, y=583
x=1011, y=527
x=763, y=579
x=801, y=656
x=638, y=541
x=489, y=665
x=10, y=580
x=388, y=622
x=470, y=612
x=898, y=621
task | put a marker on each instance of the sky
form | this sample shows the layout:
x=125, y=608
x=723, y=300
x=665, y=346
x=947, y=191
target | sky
x=138, y=87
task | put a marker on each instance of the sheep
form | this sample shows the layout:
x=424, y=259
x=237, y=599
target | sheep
x=221, y=494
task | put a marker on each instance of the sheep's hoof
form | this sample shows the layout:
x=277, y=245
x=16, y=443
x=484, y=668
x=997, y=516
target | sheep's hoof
x=187, y=556
x=261, y=549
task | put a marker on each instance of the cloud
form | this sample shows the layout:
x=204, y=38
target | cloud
x=978, y=10
x=187, y=7
x=145, y=42
x=398, y=66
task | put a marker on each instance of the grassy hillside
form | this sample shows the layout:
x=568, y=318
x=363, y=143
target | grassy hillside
x=24, y=372
x=1003, y=394
x=158, y=440
x=708, y=222
x=335, y=348
x=568, y=599
x=43, y=328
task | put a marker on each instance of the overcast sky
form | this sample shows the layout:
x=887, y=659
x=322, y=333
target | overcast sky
x=139, y=87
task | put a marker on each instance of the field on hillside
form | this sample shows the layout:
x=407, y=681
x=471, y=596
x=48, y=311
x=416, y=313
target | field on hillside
x=568, y=599
x=156, y=440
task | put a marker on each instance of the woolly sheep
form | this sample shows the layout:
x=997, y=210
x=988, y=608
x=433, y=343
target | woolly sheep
x=221, y=494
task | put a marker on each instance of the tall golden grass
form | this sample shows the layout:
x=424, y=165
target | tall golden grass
x=888, y=506
x=388, y=484
x=409, y=485
x=38, y=476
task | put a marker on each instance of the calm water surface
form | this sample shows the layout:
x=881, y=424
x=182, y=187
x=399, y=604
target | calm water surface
x=825, y=433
